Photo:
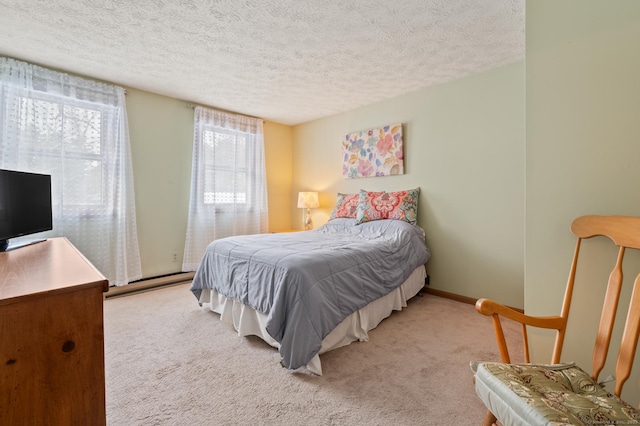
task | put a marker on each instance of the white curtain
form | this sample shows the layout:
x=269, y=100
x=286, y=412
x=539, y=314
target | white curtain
x=228, y=181
x=75, y=130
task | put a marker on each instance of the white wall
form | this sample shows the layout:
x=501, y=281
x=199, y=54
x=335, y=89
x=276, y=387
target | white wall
x=582, y=151
x=464, y=148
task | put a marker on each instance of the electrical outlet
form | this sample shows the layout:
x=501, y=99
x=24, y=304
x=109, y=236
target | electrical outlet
x=174, y=256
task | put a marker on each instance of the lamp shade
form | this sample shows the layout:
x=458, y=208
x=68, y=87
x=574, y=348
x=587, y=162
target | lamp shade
x=308, y=200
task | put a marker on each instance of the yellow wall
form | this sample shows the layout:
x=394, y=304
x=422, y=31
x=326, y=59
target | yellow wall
x=161, y=131
x=582, y=151
x=464, y=148
x=278, y=157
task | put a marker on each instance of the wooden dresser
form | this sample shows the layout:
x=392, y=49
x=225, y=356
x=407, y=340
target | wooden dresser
x=51, y=337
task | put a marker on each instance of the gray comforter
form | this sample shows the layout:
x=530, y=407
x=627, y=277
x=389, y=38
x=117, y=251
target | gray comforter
x=308, y=282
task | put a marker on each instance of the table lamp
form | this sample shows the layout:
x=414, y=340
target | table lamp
x=307, y=201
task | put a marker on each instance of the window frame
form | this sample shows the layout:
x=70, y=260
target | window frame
x=81, y=210
x=250, y=175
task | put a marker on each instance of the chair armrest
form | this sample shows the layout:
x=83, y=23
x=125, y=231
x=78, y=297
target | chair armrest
x=496, y=310
x=489, y=307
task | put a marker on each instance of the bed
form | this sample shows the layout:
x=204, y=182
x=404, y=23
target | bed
x=309, y=292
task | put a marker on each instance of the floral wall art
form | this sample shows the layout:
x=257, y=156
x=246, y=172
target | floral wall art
x=375, y=152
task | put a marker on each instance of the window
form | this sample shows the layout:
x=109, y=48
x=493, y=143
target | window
x=226, y=171
x=228, y=181
x=75, y=130
x=65, y=141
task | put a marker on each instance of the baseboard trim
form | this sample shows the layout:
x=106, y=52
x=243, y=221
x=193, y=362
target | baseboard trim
x=459, y=298
x=452, y=296
x=150, y=284
x=181, y=277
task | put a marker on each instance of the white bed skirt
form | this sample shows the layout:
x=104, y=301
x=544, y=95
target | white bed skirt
x=249, y=322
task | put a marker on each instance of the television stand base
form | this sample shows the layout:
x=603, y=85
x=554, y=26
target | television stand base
x=5, y=245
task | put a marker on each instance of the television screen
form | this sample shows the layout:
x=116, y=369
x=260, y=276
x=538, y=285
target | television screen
x=25, y=205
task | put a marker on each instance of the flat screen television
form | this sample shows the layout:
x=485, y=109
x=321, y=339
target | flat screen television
x=25, y=206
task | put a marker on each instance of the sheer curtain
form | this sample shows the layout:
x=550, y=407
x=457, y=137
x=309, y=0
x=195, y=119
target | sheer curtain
x=228, y=181
x=75, y=130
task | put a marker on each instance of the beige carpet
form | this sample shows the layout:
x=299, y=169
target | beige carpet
x=171, y=362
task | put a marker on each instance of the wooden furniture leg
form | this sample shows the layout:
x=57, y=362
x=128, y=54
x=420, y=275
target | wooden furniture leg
x=489, y=419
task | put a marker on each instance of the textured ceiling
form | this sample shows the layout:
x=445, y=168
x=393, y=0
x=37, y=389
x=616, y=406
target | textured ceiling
x=288, y=61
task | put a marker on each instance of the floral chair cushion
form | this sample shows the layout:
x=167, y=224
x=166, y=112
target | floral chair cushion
x=561, y=394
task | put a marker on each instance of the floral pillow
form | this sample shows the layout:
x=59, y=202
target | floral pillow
x=400, y=205
x=346, y=206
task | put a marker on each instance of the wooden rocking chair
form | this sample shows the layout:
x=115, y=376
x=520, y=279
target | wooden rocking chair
x=529, y=394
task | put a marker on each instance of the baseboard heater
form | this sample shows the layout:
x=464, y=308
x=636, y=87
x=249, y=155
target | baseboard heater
x=150, y=283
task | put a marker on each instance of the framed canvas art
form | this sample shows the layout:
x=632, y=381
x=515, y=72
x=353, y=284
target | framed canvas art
x=375, y=152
